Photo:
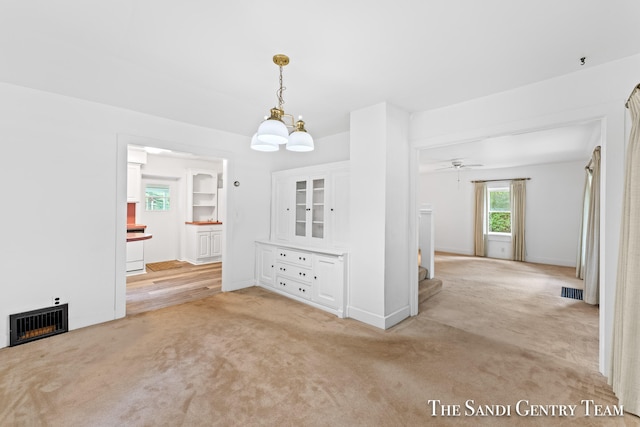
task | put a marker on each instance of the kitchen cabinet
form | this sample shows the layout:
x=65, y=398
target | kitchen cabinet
x=135, y=257
x=310, y=206
x=204, y=243
x=314, y=276
x=134, y=182
x=135, y=158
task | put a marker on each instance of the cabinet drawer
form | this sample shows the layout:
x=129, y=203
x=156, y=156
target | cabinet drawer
x=302, y=290
x=294, y=272
x=294, y=257
x=294, y=287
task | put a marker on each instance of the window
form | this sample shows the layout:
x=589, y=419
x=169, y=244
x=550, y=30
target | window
x=499, y=210
x=157, y=198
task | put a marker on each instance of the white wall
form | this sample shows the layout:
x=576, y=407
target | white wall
x=554, y=201
x=329, y=149
x=598, y=92
x=63, y=229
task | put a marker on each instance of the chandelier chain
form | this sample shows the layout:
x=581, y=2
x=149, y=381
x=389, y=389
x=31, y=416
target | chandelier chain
x=279, y=92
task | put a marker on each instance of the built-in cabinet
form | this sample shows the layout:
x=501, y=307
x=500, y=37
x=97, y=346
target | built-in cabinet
x=313, y=276
x=306, y=255
x=310, y=206
x=202, y=195
x=203, y=231
x=204, y=243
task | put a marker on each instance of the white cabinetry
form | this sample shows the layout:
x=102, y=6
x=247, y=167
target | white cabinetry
x=204, y=243
x=282, y=210
x=313, y=276
x=135, y=257
x=310, y=206
x=136, y=157
x=202, y=195
x=134, y=182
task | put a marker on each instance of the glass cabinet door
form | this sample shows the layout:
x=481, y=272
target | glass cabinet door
x=317, y=209
x=301, y=208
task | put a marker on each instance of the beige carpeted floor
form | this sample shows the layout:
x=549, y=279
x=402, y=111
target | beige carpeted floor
x=255, y=358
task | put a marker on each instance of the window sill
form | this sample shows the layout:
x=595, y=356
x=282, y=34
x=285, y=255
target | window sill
x=498, y=237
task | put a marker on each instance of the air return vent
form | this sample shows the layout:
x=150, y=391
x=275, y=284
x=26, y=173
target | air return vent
x=36, y=324
x=571, y=293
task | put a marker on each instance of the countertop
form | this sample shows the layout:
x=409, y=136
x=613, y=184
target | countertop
x=136, y=226
x=204, y=222
x=134, y=237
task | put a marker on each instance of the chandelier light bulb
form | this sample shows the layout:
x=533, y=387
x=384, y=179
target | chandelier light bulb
x=274, y=131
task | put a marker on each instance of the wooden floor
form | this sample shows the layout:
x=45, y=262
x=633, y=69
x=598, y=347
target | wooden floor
x=157, y=289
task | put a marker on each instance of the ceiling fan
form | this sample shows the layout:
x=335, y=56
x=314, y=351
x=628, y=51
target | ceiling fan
x=459, y=164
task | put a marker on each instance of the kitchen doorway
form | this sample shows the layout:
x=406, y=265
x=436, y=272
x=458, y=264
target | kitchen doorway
x=158, y=207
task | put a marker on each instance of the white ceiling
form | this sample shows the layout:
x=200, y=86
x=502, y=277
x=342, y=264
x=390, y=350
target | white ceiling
x=558, y=145
x=210, y=62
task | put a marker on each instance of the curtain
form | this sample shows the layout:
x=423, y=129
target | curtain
x=624, y=368
x=518, y=199
x=582, y=237
x=479, y=223
x=592, y=241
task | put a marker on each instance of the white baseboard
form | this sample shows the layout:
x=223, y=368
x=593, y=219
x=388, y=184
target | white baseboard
x=457, y=251
x=366, y=317
x=397, y=316
x=551, y=261
x=4, y=340
x=382, y=322
x=239, y=285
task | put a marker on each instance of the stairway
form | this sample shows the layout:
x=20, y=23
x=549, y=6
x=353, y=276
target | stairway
x=427, y=287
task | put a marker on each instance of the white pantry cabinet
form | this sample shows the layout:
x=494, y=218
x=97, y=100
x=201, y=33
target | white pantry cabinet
x=314, y=276
x=310, y=206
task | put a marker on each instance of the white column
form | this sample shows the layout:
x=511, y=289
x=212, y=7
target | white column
x=381, y=221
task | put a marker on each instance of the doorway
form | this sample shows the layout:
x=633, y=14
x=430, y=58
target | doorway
x=161, y=210
x=553, y=157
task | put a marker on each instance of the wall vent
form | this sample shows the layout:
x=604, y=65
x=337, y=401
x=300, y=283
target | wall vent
x=36, y=324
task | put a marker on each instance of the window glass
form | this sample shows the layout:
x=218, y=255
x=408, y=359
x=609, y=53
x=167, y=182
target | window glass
x=157, y=198
x=499, y=210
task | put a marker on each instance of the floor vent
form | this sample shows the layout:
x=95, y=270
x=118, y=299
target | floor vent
x=571, y=293
x=36, y=324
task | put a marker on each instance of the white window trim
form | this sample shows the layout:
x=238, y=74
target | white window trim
x=497, y=186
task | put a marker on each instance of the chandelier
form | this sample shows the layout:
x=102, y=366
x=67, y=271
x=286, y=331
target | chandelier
x=273, y=131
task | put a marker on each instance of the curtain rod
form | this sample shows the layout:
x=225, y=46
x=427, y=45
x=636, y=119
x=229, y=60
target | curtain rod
x=506, y=179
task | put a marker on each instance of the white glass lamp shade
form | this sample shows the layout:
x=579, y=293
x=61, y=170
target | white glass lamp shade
x=300, y=141
x=273, y=132
x=258, y=145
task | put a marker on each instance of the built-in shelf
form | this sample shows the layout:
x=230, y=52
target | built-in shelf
x=202, y=200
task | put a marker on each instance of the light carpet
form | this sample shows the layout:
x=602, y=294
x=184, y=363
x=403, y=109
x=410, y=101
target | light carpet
x=252, y=357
